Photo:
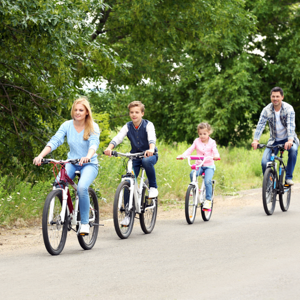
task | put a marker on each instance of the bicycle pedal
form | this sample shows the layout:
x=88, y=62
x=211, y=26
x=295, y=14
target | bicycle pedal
x=83, y=234
x=124, y=225
x=287, y=185
x=96, y=224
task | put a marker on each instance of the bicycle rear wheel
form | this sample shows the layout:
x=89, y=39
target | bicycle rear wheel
x=149, y=208
x=204, y=213
x=121, y=211
x=87, y=242
x=269, y=191
x=54, y=231
x=190, y=204
x=285, y=199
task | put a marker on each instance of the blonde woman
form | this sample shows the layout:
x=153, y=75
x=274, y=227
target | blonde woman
x=83, y=139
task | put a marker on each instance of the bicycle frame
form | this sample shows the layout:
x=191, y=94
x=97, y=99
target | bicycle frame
x=199, y=199
x=273, y=164
x=66, y=197
x=136, y=190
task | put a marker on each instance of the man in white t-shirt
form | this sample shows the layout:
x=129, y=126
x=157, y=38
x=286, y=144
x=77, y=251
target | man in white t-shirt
x=281, y=118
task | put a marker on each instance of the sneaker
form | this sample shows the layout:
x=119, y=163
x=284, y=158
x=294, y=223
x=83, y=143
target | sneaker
x=289, y=182
x=84, y=229
x=125, y=221
x=207, y=205
x=153, y=192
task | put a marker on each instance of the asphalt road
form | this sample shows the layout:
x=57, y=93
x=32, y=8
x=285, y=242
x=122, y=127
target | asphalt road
x=239, y=254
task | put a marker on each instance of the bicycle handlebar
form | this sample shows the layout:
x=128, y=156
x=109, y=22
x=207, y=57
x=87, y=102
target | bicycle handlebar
x=45, y=161
x=138, y=155
x=280, y=146
x=196, y=157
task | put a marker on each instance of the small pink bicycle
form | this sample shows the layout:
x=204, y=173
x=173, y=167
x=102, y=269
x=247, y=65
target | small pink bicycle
x=194, y=195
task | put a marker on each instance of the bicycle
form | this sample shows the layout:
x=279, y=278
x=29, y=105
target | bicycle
x=131, y=199
x=61, y=214
x=194, y=195
x=273, y=184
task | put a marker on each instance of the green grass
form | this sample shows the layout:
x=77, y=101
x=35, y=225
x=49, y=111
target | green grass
x=238, y=169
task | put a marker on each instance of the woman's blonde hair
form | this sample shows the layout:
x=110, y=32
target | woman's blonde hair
x=205, y=126
x=89, y=122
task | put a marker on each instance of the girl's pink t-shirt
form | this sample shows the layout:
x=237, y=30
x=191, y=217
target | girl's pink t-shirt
x=209, y=149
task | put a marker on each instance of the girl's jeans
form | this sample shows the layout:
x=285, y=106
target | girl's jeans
x=209, y=173
x=88, y=174
x=291, y=160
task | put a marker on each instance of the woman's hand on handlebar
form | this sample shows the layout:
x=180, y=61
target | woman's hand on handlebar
x=180, y=157
x=38, y=160
x=216, y=158
x=84, y=160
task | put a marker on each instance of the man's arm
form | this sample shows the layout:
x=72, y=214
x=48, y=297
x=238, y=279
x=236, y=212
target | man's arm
x=290, y=123
x=259, y=128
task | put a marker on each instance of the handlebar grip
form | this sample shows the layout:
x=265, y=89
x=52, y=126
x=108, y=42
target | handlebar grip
x=180, y=158
x=218, y=158
x=44, y=161
x=114, y=153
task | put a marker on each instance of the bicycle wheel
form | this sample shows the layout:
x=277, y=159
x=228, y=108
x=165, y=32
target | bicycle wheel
x=204, y=213
x=190, y=204
x=269, y=191
x=87, y=242
x=54, y=231
x=285, y=199
x=120, y=211
x=149, y=208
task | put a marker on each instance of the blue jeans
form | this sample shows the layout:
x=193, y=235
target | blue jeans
x=291, y=160
x=148, y=164
x=88, y=174
x=209, y=173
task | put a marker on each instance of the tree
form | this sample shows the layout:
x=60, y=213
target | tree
x=213, y=61
x=46, y=52
x=191, y=55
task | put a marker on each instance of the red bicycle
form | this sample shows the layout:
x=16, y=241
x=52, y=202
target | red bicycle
x=61, y=213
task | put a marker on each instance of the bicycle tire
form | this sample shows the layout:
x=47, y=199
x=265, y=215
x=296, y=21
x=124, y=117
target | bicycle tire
x=190, y=207
x=54, y=234
x=206, y=215
x=269, y=192
x=122, y=231
x=148, y=216
x=87, y=242
x=285, y=199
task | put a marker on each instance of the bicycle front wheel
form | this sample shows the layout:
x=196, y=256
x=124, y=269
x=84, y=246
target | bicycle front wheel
x=149, y=207
x=285, y=199
x=269, y=191
x=190, y=204
x=123, y=217
x=54, y=231
x=87, y=242
x=204, y=213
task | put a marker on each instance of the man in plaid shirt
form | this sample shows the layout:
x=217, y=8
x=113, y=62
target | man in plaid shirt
x=281, y=118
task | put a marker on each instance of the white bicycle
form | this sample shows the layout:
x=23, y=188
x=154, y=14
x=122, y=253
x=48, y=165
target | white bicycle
x=131, y=199
x=194, y=195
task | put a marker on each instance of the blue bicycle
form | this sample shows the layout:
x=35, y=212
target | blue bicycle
x=274, y=182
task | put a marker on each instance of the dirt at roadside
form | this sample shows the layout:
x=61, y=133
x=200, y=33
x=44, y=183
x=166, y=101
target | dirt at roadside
x=24, y=237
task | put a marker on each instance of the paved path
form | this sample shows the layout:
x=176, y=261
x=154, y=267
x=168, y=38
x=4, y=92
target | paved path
x=240, y=254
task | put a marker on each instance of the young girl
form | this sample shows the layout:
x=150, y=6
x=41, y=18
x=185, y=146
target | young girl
x=83, y=139
x=205, y=146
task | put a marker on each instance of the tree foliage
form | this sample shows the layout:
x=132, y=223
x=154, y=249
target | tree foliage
x=195, y=61
x=46, y=52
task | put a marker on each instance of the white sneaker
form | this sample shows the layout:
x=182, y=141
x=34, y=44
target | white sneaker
x=289, y=182
x=207, y=205
x=153, y=192
x=84, y=229
x=125, y=221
